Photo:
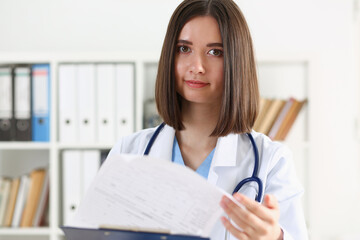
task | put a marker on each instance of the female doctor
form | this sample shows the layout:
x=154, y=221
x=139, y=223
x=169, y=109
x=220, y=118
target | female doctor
x=207, y=96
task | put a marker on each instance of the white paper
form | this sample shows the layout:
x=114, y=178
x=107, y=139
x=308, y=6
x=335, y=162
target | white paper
x=136, y=191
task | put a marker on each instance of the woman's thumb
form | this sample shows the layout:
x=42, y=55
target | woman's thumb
x=270, y=201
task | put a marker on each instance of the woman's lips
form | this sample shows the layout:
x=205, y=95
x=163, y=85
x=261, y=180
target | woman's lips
x=196, y=84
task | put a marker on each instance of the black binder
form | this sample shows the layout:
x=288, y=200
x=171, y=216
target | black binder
x=23, y=88
x=72, y=233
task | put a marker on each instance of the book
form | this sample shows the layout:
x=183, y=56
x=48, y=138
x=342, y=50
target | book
x=261, y=106
x=43, y=202
x=285, y=120
x=290, y=119
x=277, y=124
x=37, y=178
x=2, y=185
x=263, y=110
x=4, y=195
x=15, y=183
x=20, y=200
x=271, y=114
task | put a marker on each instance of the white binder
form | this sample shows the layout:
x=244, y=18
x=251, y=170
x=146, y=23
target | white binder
x=86, y=102
x=105, y=86
x=68, y=130
x=90, y=166
x=71, y=183
x=124, y=99
x=6, y=101
x=5, y=93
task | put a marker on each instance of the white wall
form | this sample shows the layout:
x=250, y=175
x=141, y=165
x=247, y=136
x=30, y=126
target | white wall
x=82, y=26
x=322, y=29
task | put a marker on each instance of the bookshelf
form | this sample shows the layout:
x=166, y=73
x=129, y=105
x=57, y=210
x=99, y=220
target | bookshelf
x=282, y=78
x=275, y=74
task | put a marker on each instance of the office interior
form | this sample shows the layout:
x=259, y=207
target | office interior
x=320, y=37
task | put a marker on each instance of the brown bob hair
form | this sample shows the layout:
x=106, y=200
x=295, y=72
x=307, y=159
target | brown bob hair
x=240, y=98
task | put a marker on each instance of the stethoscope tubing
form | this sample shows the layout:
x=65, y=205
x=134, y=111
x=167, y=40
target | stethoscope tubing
x=254, y=177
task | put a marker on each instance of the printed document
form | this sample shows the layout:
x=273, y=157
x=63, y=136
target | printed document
x=144, y=192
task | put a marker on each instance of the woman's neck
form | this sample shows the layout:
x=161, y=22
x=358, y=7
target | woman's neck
x=199, y=121
x=195, y=142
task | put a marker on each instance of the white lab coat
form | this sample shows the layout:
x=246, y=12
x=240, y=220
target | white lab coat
x=233, y=161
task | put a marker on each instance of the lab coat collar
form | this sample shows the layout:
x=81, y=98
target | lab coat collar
x=163, y=145
x=225, y=152
x=224, y=155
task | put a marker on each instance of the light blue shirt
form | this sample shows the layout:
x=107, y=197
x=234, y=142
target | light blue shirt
x=203, y=169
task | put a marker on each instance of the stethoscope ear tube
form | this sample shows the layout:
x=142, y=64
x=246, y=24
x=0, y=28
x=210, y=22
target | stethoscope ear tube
x=153, y=138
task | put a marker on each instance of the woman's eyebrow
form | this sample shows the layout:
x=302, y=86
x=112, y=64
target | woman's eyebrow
x=214, y=45
x=208, y=45
x=185, y=42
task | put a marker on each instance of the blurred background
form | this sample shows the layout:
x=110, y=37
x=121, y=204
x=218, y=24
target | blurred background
x=307, y=49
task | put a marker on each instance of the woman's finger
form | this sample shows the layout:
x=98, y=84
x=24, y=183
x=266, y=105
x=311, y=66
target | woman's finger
x=271, y=202
x=243, y=218
x=254, y=207
x=234, y=230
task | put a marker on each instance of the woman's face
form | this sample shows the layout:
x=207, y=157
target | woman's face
x=199, y=61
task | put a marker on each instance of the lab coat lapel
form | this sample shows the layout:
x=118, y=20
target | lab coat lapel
x=163, y=145
x=224, y=156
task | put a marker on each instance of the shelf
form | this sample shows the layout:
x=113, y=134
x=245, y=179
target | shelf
x=85, y=146
x=25, y=231
x=46, y=146
x=297, y=144
x=17, y=158
x=24, y=146
x=60, y=232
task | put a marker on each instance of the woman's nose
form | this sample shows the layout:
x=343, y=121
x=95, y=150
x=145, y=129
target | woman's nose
x=197, y=65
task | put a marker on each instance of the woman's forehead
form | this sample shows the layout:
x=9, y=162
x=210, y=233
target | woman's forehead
x=201, y=29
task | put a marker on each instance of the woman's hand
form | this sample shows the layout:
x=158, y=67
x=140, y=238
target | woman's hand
x=257, y=221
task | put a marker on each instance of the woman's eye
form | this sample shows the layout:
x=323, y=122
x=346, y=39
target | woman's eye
x=184, y=49
x=216, y=52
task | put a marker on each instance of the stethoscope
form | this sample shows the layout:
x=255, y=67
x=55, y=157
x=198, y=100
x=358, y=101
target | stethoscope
x=254, y=177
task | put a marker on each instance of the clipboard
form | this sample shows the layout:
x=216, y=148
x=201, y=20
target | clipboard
x=74, y=233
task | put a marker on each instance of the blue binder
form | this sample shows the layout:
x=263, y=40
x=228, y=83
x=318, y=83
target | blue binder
x=72, y=233
x=41, y=102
